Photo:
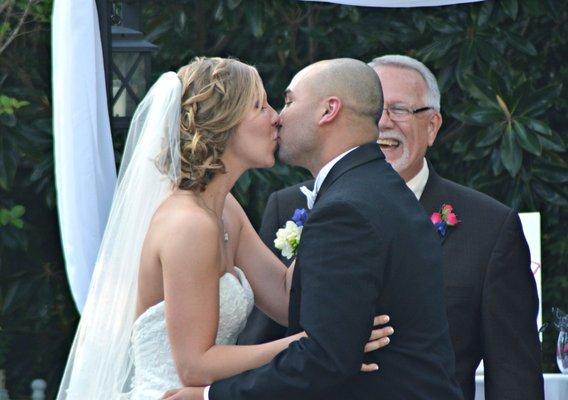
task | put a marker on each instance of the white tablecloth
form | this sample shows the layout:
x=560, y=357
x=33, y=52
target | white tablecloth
x=555, y=387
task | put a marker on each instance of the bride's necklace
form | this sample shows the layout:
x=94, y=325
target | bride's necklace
x=225, y=233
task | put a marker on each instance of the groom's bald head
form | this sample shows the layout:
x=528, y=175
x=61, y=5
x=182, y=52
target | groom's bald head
x=330, y=107
x=352, y=81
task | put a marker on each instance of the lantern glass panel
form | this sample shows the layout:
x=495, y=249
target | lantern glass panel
x=129, y=83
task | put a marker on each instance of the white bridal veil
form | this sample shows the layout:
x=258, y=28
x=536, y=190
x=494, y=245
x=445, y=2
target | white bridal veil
x=99, y=363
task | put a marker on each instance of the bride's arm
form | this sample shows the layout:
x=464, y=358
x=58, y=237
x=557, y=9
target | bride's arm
x=268, y=276
x=190, y=257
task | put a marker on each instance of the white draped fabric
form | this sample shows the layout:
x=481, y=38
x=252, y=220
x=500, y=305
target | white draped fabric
x=397, y=3
x=85, y=172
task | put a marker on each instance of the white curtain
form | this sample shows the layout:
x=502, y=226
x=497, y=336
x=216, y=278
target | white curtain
x=85, y=173
x=397, y=3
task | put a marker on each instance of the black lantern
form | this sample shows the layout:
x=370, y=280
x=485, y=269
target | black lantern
x=129, y=62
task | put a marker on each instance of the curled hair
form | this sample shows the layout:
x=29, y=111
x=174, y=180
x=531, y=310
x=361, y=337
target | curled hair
x=216, y=94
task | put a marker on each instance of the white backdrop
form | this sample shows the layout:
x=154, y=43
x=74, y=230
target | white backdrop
x=85, y=172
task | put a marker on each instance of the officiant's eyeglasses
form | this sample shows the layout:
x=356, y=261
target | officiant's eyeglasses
x=397, y=113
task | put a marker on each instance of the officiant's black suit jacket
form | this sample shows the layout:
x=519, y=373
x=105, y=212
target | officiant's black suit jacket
x=367, y=249
x=490, y=295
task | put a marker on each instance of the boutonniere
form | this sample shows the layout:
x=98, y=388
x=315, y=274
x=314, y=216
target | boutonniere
x=444, y=218
x=288, y=238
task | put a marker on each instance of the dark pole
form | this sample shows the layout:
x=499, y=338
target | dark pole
x=104, y=11
x=131, y=14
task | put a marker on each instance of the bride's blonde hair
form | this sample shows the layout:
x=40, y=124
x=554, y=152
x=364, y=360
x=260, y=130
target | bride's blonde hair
x=216, y=95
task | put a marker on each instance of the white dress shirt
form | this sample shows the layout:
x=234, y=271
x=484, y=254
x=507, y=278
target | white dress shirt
x=418, y=183
x=322, y=174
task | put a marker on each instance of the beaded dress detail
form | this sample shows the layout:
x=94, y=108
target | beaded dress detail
x=155, y=371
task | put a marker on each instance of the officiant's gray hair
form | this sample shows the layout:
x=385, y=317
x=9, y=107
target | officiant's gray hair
x=400, y=61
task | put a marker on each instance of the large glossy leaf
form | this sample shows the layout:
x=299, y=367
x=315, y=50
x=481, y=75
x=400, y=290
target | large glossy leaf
x=511, y=7
x=551, y=173
x=527, y=139
x=490, y=135
x=536, y=125
x=496, y=164
x=511, y=154
x=539, y=101
x=254, y=15
x=480, y=89
x=477, y=153
x=482, y=116
x=467, y=57
x=554, y=142
x=547, y=192
x=437, y=49
x=490, y=53
x=521, y=44
x=485, y=13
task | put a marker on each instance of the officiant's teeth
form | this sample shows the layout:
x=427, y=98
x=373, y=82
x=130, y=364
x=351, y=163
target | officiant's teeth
x=388, y=142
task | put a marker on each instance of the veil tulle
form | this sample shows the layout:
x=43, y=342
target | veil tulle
x=99, y=364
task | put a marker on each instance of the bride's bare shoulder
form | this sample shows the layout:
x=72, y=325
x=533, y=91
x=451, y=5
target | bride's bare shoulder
x=179, y=215
x=233, y=209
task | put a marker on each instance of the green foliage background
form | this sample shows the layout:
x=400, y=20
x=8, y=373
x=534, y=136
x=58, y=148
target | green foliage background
x=501, y=67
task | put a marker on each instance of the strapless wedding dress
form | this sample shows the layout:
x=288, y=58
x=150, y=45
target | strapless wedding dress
x=154, y=370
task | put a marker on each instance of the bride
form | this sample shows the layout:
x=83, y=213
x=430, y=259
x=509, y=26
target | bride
x=166, y=301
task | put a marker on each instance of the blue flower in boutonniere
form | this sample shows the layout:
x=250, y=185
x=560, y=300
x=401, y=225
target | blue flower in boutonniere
x=444, y=218
x=288, y=238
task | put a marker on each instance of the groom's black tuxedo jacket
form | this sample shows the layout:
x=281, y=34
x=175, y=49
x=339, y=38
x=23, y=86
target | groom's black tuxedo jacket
x=367, y=249
x=490, y=294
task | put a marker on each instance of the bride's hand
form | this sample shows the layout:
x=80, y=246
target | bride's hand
x=186, y=393
x=379, y=338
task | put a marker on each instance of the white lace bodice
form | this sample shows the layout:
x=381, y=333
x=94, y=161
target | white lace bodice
x=155, y=372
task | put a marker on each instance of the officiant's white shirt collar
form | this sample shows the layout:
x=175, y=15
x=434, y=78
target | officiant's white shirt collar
x=418, y=183
x=322, y=174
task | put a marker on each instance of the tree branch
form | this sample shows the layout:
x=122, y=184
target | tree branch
x=21, y=21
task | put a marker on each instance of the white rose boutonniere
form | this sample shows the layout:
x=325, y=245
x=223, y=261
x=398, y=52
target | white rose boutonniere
x=288, y=238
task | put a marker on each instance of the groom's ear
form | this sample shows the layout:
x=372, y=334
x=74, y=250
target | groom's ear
x=332, y=106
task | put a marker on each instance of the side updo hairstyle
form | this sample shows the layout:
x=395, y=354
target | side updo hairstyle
x=216, y=95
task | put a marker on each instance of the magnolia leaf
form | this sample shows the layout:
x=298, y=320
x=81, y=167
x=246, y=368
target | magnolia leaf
x=539, y=100
x=551, y=173
x=537, y=126
x=548, y=193
x=527, y=139
x=511, y=8
x=490, y=135
x=511, y=154
x=554, y=142
x=479, y=89
x=520, y=43
x=496, y=164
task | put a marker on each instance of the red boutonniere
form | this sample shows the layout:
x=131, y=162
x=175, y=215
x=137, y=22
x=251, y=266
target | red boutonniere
x=444, y=218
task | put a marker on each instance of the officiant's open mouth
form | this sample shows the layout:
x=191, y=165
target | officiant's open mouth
x=388, y=144
x=391, y=147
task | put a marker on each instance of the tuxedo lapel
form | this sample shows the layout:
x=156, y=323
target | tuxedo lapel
x=361, y=155
x=434, y=196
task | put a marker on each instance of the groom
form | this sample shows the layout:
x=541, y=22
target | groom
x=367, y=249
